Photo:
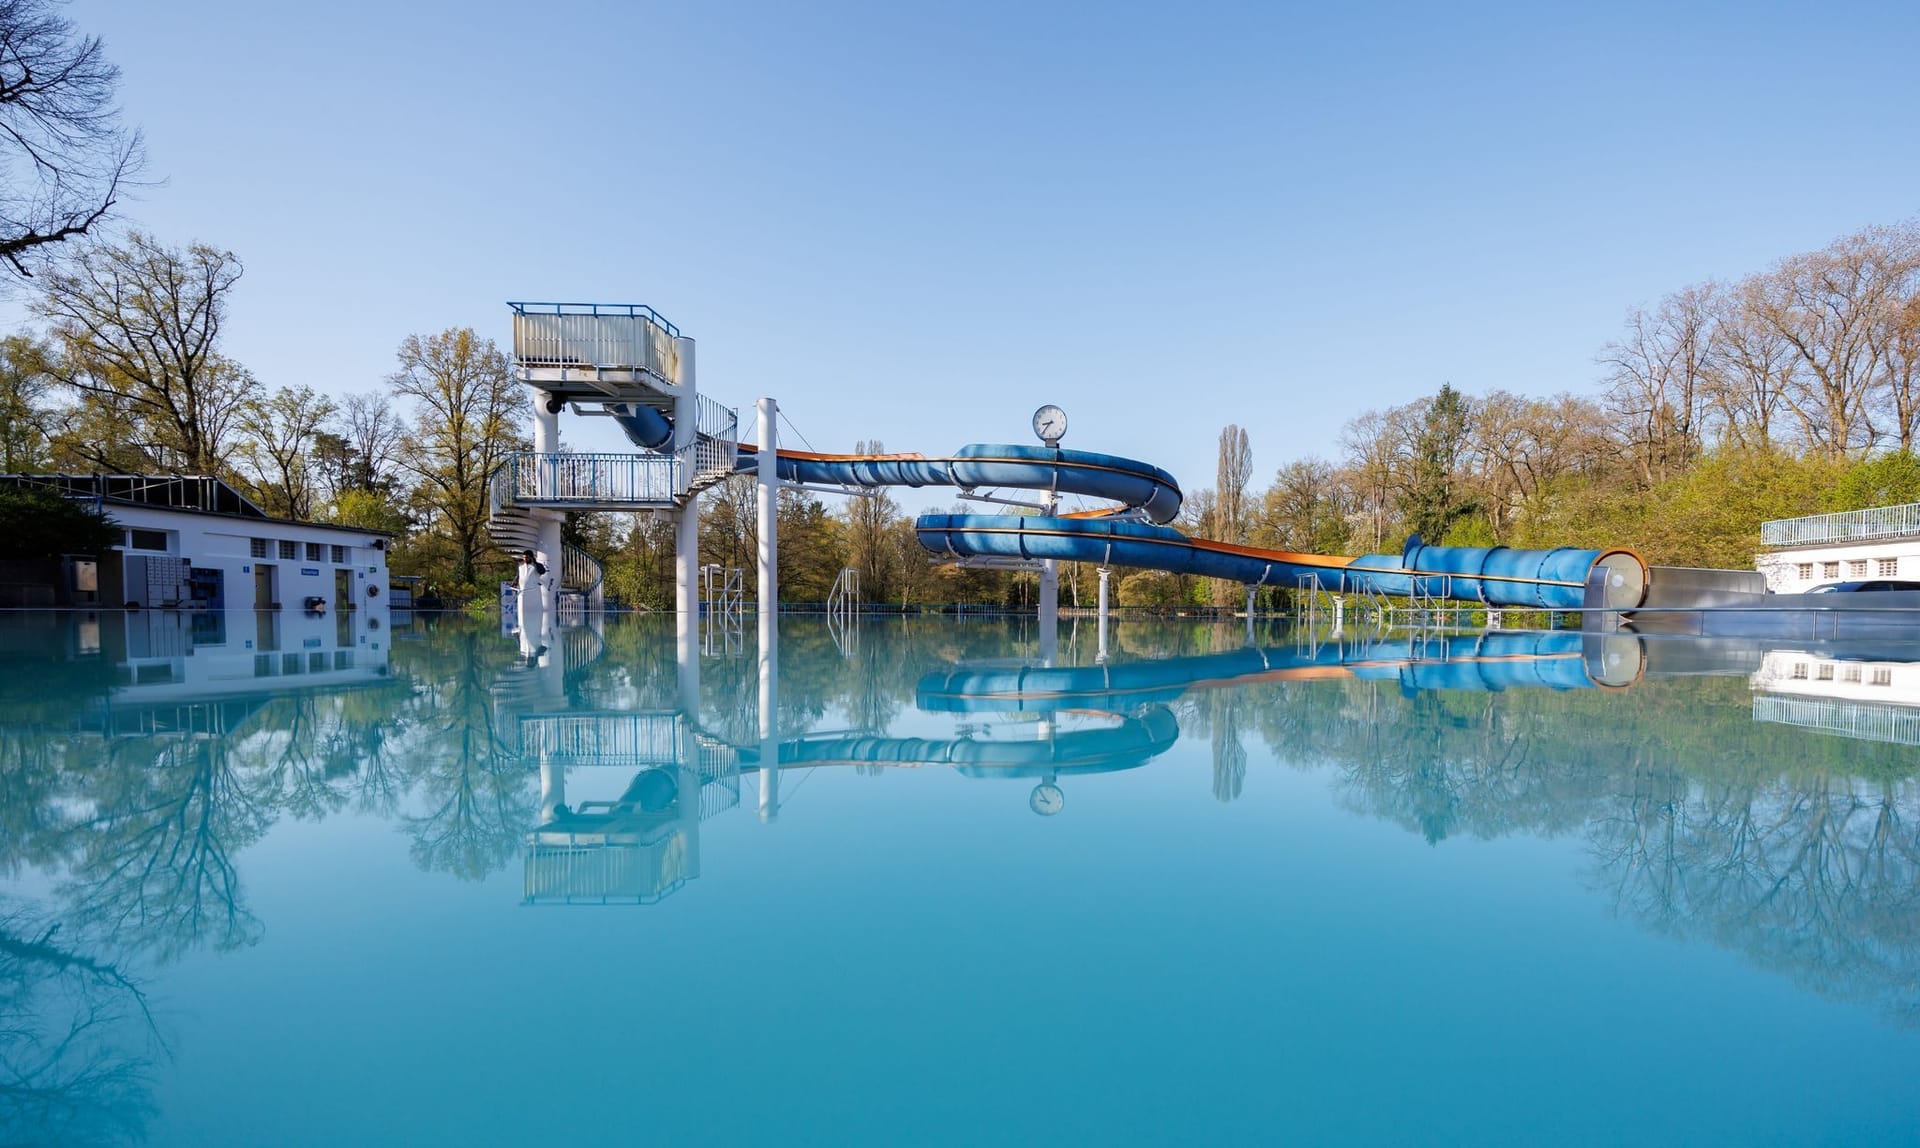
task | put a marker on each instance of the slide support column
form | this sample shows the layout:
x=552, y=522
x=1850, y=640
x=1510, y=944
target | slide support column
x=767, y=609
x=1102, y=655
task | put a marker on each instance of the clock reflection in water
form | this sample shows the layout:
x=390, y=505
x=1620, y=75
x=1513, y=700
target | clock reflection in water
x=1047, y=799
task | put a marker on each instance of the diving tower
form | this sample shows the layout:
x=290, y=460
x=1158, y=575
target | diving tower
x=626, y=362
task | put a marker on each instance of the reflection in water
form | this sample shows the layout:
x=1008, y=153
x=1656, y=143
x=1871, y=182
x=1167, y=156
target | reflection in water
x=137, y=782
x=77, y=1041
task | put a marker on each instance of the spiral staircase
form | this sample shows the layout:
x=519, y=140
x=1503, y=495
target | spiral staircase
x=514, y=528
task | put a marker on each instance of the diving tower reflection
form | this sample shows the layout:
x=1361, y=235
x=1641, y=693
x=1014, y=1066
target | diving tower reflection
x=654, y=775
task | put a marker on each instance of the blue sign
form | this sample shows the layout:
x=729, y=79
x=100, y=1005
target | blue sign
x=310, y=571
x=310, y=644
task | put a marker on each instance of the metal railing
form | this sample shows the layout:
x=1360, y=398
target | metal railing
x=633, y=740
x=651, y=479
x=718, y=445
x=1864, y=721
x=579, y=570
x=1845, y=526
x=595, y=336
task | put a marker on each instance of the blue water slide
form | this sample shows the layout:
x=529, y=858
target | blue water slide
x=1136, y=740
x=1134, y=485
x=1495, y=661
x=645, y=427
x=1495, y=576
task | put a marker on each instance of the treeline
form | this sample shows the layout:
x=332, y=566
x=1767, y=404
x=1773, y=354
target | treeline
x=128, y=376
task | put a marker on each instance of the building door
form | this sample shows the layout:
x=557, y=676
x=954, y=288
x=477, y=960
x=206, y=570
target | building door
x=343, y=591
x=263, y=588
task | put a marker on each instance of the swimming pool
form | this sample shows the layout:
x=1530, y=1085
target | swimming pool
x=410, y=886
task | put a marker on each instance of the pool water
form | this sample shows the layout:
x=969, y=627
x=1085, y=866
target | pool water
x=414, y=886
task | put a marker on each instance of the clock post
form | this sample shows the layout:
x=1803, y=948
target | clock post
x=1050, y=426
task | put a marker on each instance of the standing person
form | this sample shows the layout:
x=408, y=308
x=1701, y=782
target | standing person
x=530, y=593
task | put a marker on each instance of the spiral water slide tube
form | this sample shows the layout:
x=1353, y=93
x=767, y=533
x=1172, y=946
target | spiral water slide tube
x=1134, y=533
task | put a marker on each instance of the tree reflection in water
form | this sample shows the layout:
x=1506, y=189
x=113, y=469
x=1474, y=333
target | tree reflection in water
x=77, y=1041
x=1800, y=849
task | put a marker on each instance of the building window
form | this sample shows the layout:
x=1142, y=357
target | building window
x=343, y=659
x=289, y=550
x=1857, y=568
x=1805, y=570
x=147, y=540
x=1825, y=674
x=1888, y=567
x=1850, y=673
x=1827, y=569
x=1799, y=671
x=257, y=547
x=317, y=663
x=1883, y=676
x=314, y=550
x=290, y=663
x=339, y=555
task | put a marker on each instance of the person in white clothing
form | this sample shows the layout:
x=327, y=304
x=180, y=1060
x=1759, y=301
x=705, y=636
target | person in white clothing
x=531, y=602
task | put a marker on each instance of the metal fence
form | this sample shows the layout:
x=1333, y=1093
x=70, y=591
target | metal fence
x=595, y=335
x=1864, y=721
x=1846, y=526
x=619, y=479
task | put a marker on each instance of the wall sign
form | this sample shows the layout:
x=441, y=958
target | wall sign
x=310, y=571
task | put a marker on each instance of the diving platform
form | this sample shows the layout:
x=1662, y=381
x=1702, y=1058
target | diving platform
x=596, y=352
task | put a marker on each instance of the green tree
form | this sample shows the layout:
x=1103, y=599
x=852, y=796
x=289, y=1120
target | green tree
x=1434, y=497
x=468, y=415
x=37, y=524
x=1883, y=480
x=26, y=415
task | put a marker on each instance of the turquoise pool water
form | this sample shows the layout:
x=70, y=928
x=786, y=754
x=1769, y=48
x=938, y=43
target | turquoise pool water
x=399, y=886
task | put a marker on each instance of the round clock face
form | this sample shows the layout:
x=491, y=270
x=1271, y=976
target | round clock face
x=1050, y=423
x=1047, y=799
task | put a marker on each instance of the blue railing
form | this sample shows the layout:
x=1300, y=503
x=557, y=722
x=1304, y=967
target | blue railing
x=627, y=310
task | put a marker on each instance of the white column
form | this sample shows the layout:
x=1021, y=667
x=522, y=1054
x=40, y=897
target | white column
x=1049, y=610
x=546, y=424
x=1102, y=655
x=767, y=559
x=686, y=535
x=553, y=787
x=767, y=550
x=1250, y=591
x=549, y=553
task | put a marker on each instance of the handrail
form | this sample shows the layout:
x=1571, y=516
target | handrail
x=629, y=310
x=595, y=478
x=1843, y=526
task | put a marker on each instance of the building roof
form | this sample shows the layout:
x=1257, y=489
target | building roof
x=185, y=493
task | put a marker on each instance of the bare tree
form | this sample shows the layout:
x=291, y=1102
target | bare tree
x=374, y=431
x=280, y=433
x=1234, y=469
x=139, y=324
x=1825, y=305
x=1752, y=368
x=1656, y=378
x=64, y=158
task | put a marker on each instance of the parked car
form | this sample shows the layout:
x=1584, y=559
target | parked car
x=1861, y=587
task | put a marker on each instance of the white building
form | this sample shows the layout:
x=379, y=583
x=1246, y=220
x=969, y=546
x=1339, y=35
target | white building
x=1855, y=545
x=1853, y=697
x=193, y=542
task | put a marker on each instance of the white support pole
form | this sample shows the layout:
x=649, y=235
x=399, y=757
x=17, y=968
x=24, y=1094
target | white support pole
x=686, y=535
x=1102, y=655
x=767, y=557
x=553, y=786
x=1250, y=591
x=546, y=424
x=549, y=553
x=1049, y=611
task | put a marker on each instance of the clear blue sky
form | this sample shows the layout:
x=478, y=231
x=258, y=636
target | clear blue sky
x=915, y=223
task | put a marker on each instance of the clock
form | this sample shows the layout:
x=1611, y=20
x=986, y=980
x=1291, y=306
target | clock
x=1050, y=423
x=1047, y=799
